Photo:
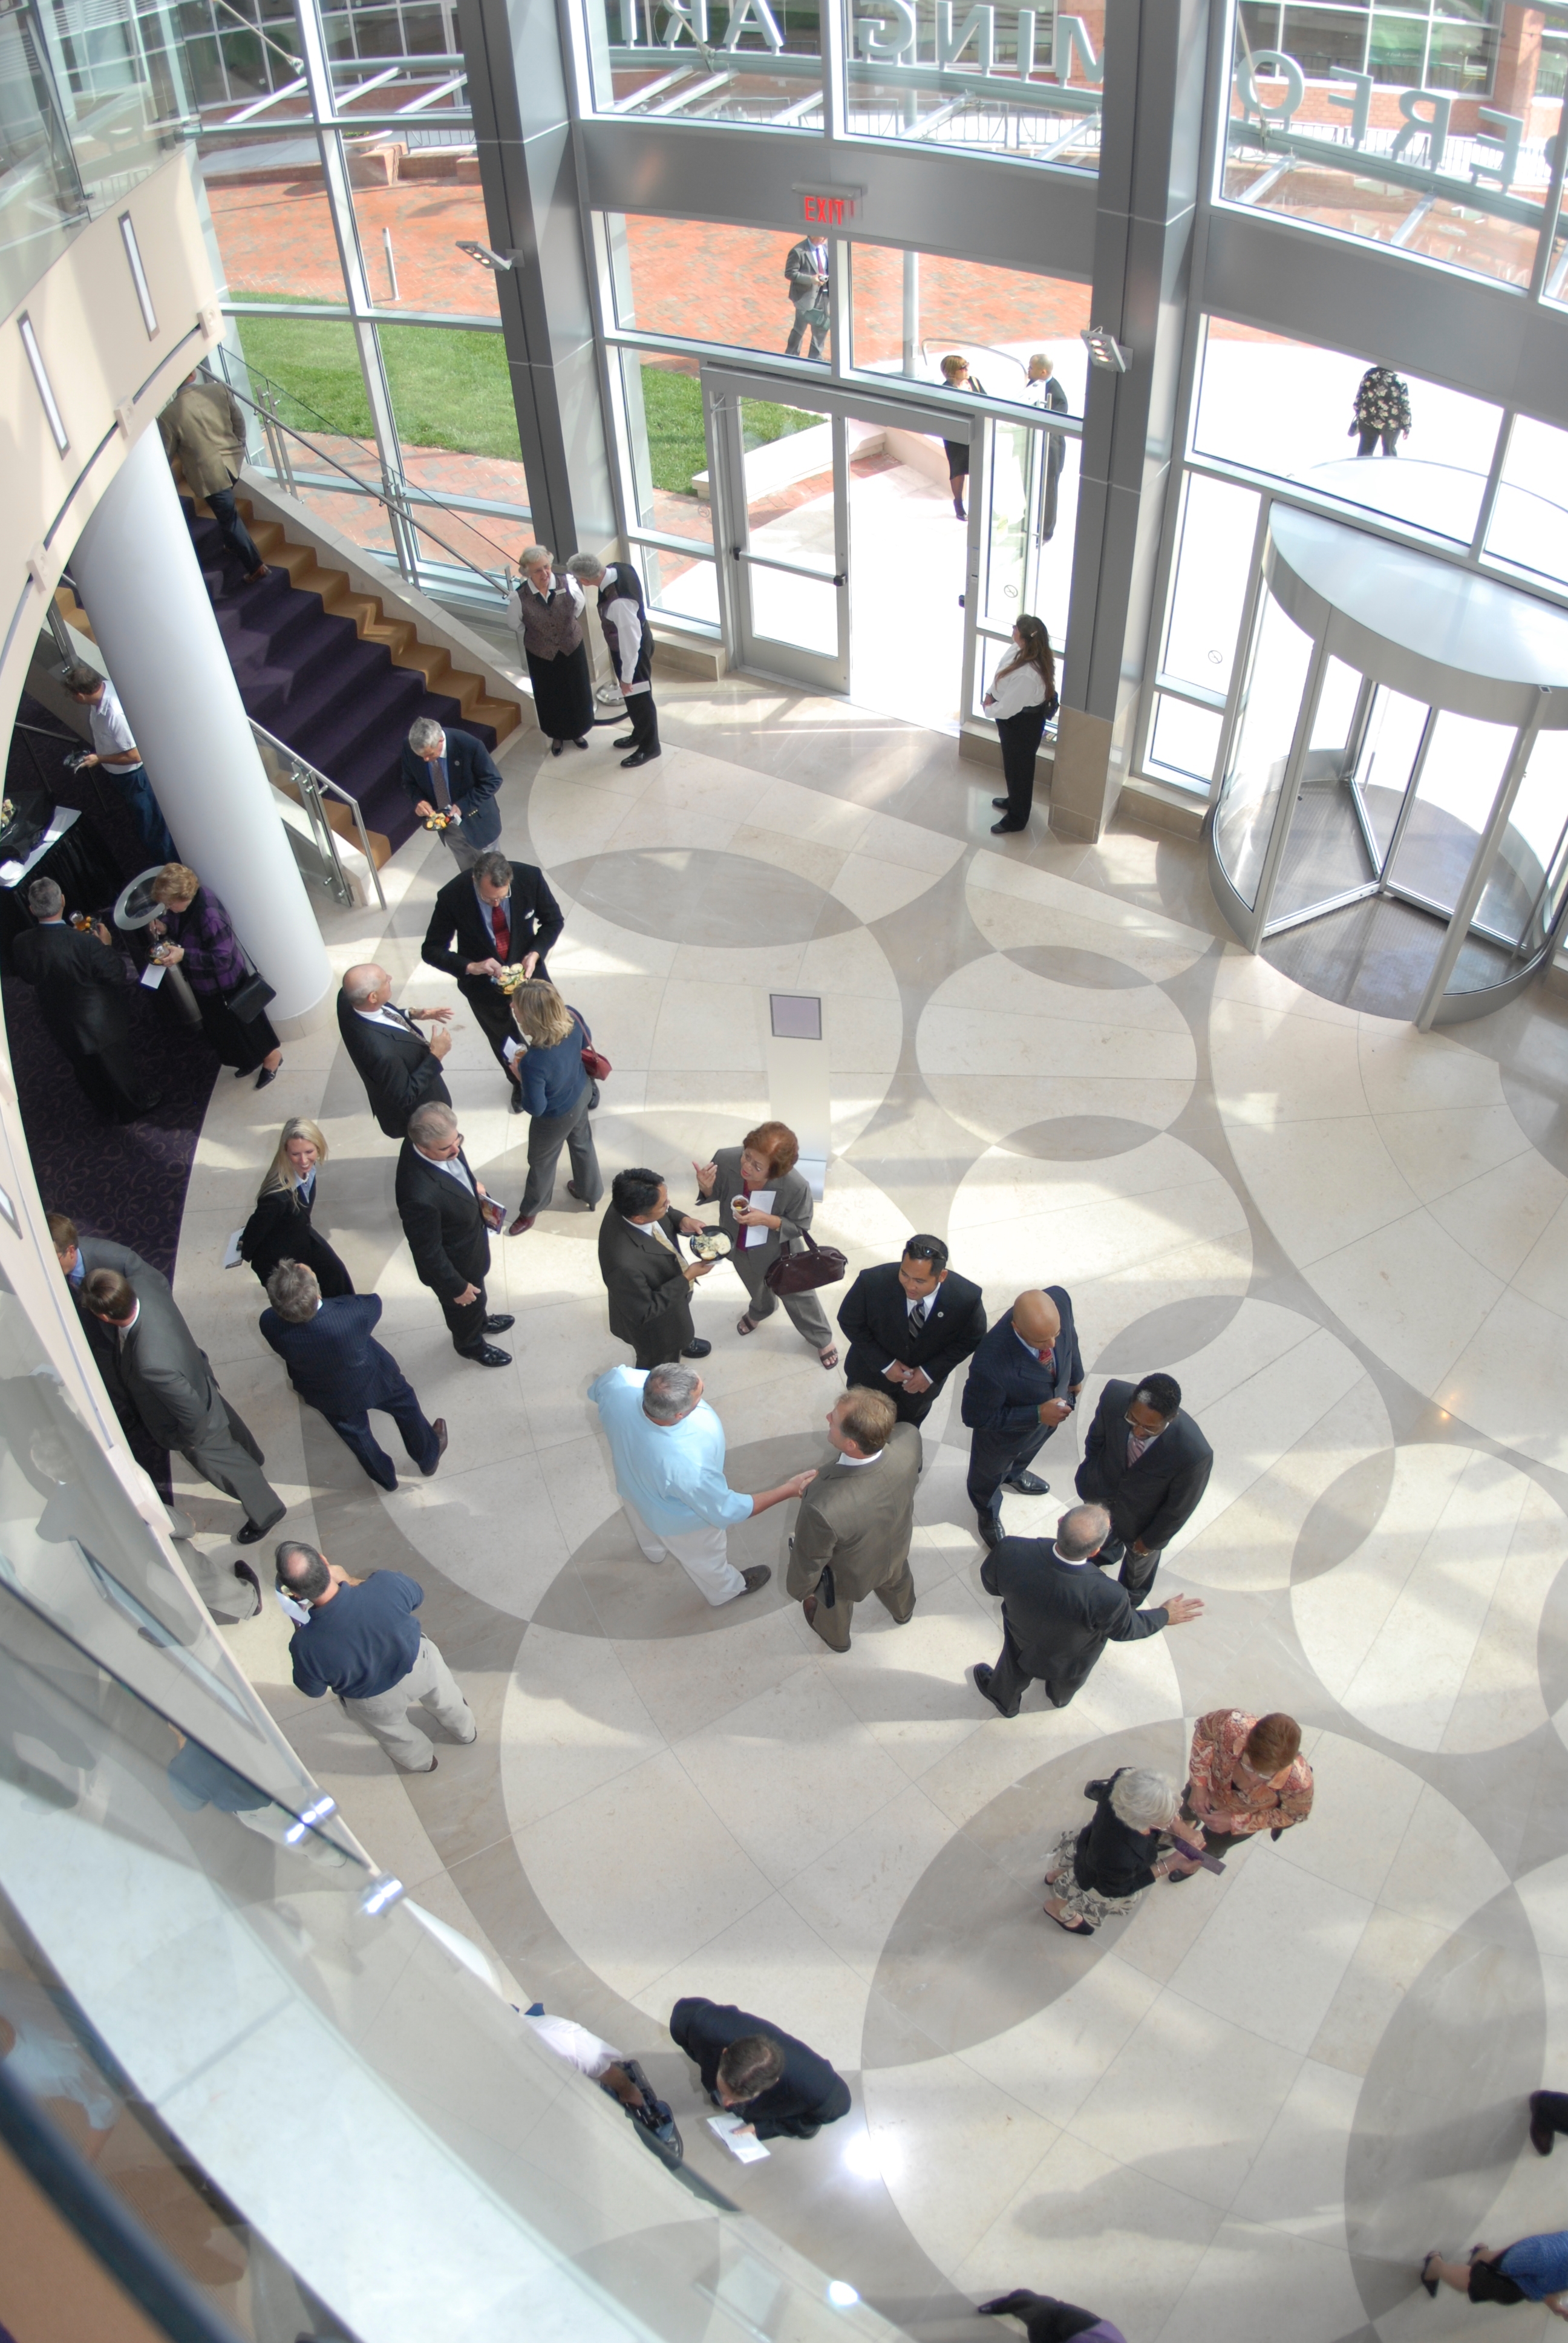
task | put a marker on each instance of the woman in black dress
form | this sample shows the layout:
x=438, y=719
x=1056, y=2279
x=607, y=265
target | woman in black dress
x=194, y=931
x=546, y=608
x=956, y=375
x=279, y=1229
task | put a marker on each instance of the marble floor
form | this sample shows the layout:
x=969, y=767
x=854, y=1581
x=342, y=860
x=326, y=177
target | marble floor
x=1249, y=2108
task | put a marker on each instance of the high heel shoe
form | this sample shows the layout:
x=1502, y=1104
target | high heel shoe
x=268, y=1074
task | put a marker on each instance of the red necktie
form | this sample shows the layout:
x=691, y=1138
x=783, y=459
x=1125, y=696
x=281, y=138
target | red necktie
x=501, y=928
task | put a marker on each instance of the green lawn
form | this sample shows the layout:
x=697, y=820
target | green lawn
x=450, y=388
x=672, y=410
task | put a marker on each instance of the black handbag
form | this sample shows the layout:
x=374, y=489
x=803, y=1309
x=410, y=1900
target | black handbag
x=249, y=999
x=801, y=1272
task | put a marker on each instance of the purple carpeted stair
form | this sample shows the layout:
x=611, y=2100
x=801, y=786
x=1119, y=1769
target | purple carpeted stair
x=307, y=677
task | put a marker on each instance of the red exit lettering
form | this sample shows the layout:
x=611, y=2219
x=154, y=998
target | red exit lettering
x=825, y=211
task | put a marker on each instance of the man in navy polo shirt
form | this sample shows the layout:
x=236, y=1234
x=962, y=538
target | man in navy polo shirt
x=1023, y=1381
x=361, y=1639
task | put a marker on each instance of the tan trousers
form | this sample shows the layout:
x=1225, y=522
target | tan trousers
x=431, y=1683
x=895, y=1595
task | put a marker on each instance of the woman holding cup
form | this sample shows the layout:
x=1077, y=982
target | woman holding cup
x=764, y=1203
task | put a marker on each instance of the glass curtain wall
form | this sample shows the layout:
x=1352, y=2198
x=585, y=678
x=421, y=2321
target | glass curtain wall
x=365, y=344
x=1480, y=486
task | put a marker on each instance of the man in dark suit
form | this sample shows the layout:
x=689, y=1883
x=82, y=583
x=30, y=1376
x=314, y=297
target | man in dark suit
x=334, y=1366
x=648, y=1284
x=453, y=773
x=400, y=1068
x=910, y=1323
x=784, y=2090
x=169, y=1382
x=83, y=995
x=1023, y=1381
x=1058, y=1614
x=1150, y=1465
x=491, y=917
x=446, y=1217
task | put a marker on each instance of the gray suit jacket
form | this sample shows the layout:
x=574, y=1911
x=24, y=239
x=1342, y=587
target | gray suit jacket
x=859, y=1518
x=793, y=1201
x=102, y=1252
x=167, y=1377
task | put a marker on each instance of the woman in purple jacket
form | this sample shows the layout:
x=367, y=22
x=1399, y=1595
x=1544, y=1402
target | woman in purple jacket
x=194, y=931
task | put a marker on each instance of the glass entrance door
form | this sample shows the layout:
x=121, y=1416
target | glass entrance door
x=781, y=518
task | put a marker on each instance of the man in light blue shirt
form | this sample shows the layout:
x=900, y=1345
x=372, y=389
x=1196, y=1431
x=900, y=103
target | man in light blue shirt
x=669, y=1450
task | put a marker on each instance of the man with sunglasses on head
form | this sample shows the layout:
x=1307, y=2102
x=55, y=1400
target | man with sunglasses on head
x=909, y=1324
x=1149, y=1464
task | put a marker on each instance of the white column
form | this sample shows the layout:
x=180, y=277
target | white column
x=140, y=583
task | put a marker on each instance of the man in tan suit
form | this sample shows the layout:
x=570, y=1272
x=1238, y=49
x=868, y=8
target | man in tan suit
x=204, y=426
x=857, y=1518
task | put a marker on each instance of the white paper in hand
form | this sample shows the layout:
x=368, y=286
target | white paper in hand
x=231, y=1256
x=760, y=1200
x=744, y=2145
x=153, y=974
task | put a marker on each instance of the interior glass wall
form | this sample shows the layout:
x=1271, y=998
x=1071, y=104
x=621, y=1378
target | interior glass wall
x=1428, y=127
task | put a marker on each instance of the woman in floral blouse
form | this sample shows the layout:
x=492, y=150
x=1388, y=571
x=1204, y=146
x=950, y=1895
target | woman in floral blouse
x=1247, y=1775
x=1382, y=411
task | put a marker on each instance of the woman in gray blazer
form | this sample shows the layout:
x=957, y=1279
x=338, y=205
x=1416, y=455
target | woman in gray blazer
x=765, y=1159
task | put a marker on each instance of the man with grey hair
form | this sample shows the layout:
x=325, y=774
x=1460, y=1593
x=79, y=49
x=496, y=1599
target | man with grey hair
x=667, y=1448
x=496, y=916
x=337, y=1368
x=400, y=1068
x=1059, y=1613
x=446, y=1217
x=623, y=616
x=359, y=1638
x=84, y=995
x=451, y=779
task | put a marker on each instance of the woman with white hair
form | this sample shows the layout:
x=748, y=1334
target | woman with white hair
x=1102, y=1870
x=546, y=606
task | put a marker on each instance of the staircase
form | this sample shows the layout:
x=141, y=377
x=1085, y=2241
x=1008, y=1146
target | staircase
x=327, y=670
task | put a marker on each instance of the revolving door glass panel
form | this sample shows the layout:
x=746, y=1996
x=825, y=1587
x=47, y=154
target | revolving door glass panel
x=1329, y=855
x=1250, y=795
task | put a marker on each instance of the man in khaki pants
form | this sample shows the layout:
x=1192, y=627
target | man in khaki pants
x=359, y=1638
x=204, y=426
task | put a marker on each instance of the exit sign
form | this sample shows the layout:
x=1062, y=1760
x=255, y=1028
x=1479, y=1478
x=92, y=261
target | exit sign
x=829, y=207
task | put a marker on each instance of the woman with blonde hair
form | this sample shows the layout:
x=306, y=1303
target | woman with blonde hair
x=956, y=375
x=546, y=606
x=760, y=1225
x=1107, y=1867
x=1021, y=700
x=558, y=1092
x=279, y=1229
x=192, y=930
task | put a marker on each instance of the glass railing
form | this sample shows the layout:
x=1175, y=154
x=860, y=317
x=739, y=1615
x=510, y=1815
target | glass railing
x=439, y=547
x=296, y=779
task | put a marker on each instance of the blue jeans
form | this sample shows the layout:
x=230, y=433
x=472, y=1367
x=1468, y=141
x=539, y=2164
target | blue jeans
x=236, y=535
x=132, y=782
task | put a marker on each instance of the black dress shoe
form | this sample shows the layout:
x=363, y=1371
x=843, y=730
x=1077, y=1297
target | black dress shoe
x=698, y=1349
x=1003, y=829
x=555, y=747
x=982, y=1676
x=498, y=1323
x=515, y=1103
x=1001, y=804
x=579, y=744
x=254, y=1530
x=439, y=1429
x=484, y=1354
x=624, y=740
x=243, y=1570
x=990, y=1530
x=643, y=757
x=268, y=1074
x=1028, y=1484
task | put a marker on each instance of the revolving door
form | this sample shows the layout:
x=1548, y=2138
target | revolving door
x=1391, y=826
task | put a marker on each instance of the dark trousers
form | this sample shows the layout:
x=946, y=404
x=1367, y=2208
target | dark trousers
x=1370, y=435
x=232, y=529
x=132, y=782
x=548, y=1134
x=466, y=1321
x=999, y=1456
x=1137, y=1570
x=110, y=1083
x=1046, y=2318
x=418, y=1434
x=1020, y=737
x=660, y=1345
x=1010, y=1679
x=1549, y=2108
x=643, y=718
x=493, y=1015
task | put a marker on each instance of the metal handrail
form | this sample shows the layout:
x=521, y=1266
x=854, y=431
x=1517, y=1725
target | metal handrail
x=314, y=786
x=401, y=503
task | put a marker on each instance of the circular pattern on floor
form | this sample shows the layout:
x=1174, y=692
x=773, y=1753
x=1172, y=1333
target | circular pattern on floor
x=700, y=895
